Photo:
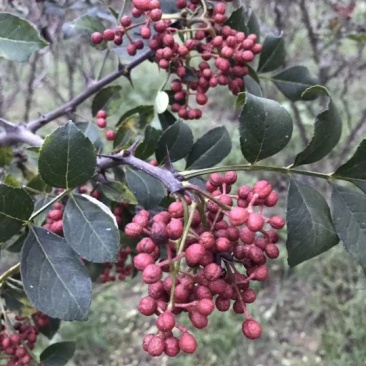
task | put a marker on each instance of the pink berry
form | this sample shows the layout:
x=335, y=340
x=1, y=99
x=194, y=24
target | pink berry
x=188, y=343
x=251, y=329
x=255, y=222
x=165, y=321
x=96, y=38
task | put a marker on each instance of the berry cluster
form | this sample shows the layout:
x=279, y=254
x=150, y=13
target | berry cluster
x=203, y=35
x=15, y=343
x=204, y=261
x=119, y=270
x=102, y=115
x=54, y=219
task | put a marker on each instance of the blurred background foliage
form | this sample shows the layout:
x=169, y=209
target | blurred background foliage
x=312, y=314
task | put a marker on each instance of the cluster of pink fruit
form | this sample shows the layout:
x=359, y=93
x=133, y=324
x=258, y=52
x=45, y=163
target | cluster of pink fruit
x=206, y=261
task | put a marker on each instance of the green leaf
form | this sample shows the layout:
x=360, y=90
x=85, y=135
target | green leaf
x=88, y=24
x=16, y=207
x=39, y=185
x=355, y=167
x=253, y=25
x=360, y=184
x=6, y=155
x=144, y=115
x=55, y=279
x=148, y=146
x=148, y=191
x=11, y=180
x=358, y=37
x=90, y=130
x=67, y=158
x=15, y=243
x=210, y=149
x=349, y=219
x=240, y=100
x=18, y=38
x=131, y=123
x=273, y=54
x=40, y=218
x=237, y=20
x=51, y=328
x=58, y=354
x=265, y=128
x=327, y=131
x=177, y=139
x=161, y=102
x=309, y=225
x=108, y=99
x=91, y=229
x=118, y=192
x=252, y=86
x=293, y=81
x=166, y=119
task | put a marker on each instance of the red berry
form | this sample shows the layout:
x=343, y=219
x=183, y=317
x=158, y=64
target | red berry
x=156, y=346
x=230, y=177
x=248, y=296
x=145, y=32
x=133, y=230
x=216, y=179
x=188, y=343
x=255, y=222
x=198, y=320
x=205, y=306
x=271, y=200
x=277, y=222
x=155, y=15
x=126, y=21
x=143, y=5
x=194, y=254
x=55, y=215
x=263, y=188
x=101, y=122
x=165, y=321
x=131, y=49
x=272, y=251
x=152, y=273
x=108, y=35
x=142, y=260
x=101, y=114
x=110, y=135
x=176, y=209
x=260, y=273
x=212, y=272
x=251, y=329
x=238, y=216
x=171, y=346
x=97, y=38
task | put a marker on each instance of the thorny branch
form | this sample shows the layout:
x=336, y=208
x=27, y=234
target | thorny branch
x=25, y=133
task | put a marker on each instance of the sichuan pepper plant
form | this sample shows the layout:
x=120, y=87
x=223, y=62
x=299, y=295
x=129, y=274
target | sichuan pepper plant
x=101, y=209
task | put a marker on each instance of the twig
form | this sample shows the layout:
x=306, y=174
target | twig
x=94, y=87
